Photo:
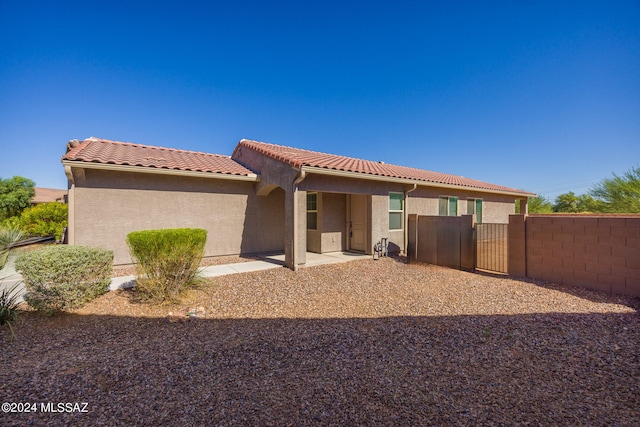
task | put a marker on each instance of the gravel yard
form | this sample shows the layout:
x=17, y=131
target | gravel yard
x=359, y=343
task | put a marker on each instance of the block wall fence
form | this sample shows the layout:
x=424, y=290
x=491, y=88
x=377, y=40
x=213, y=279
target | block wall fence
x=596, y=252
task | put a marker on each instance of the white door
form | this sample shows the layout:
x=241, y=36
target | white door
x=358, y=236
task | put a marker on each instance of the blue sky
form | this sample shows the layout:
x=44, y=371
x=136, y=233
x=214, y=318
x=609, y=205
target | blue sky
x=542, y=96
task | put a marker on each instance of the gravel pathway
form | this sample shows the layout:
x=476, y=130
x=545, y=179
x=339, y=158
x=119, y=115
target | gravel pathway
x=359, y=343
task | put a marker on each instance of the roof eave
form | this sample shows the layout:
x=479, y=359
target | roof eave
x=252, y=177
x=359, y=175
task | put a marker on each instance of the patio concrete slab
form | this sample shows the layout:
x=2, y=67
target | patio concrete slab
x=239, y=267
x=314, y=259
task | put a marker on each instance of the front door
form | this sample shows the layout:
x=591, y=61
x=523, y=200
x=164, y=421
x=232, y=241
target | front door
x=358, y=220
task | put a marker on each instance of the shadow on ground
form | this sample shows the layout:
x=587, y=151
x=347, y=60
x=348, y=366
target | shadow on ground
x=540, y=369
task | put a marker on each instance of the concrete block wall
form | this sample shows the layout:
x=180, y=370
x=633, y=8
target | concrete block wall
x=595, y=252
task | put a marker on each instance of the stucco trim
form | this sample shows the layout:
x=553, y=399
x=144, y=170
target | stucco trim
x=252, y=177
x=358, y=175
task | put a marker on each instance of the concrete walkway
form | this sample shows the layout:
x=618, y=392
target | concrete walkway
x=9, y=277
x=266, y=263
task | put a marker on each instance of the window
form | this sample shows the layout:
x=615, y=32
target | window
x=448, y=206
x=474, y=206
x=312, y=211
x=396, y=210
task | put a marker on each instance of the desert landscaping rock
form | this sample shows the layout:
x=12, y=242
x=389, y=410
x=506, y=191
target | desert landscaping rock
x=358, y=343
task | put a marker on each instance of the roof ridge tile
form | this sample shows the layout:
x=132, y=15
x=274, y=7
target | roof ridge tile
x=155, y=147
x=98, y=150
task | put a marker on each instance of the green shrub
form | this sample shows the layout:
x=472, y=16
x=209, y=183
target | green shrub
x=167, y=261
x=12, y=223
x=45, y=219
x=61, y=277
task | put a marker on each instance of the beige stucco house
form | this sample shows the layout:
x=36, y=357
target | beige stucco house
x=262, y=198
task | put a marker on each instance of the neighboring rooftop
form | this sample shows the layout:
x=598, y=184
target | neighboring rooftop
x=103, y=151
x=298, y=158
x=45, y=195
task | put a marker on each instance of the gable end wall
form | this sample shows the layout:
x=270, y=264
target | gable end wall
x=108, y=205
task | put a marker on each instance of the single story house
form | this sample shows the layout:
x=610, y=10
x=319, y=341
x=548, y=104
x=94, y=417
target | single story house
x=47, y=195
x=262, y=198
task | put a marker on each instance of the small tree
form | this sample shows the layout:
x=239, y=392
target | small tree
x=567, y=202
x=540, y=205
x=620, y=194
x=570, y=203
x=15, y=195
x=586, y=203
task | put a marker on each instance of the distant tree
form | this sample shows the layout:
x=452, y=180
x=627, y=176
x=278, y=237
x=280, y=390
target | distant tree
x=620, y=194
x=15, y=196
x=540, y=205
x=586, y=203
x=567, y=202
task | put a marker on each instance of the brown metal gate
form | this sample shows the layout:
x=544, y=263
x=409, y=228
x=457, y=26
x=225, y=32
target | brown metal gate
x=491, y=247
x=442, y=240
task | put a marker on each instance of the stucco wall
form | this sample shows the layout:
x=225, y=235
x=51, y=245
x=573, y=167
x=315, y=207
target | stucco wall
x=332, y=218
x=108, y=205
x=273, y=175
x=422, y=201
x=495, y=208
x=337, y=184
x=333, y=222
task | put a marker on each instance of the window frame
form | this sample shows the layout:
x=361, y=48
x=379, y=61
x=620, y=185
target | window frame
x=472, y=208
x=313, y=212
x=396, y=211
x=448, y=200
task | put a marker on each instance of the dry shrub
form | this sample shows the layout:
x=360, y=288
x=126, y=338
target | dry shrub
x=167, y=261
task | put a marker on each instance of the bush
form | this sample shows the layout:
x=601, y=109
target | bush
x=46, y=219
x=64, y=277
x=167, y=261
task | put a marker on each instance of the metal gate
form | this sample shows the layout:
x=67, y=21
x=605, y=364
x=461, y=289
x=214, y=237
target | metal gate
x=491, y=247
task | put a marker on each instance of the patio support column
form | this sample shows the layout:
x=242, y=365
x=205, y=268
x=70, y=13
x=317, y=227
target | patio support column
x=405, y=220
x=295, y=249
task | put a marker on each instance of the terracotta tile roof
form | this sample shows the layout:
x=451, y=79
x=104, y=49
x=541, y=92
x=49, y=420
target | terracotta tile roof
x=297, y=158
x=103, y=151
x=45, y=195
